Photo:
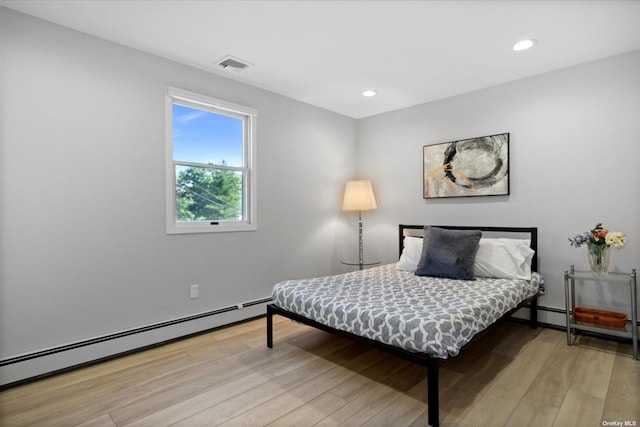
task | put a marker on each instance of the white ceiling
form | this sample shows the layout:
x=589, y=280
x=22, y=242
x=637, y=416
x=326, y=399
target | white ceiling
x=326, y=53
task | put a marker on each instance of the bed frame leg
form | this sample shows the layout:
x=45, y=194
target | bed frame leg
x=533, y=313
x=269, y=327
x=433, y=393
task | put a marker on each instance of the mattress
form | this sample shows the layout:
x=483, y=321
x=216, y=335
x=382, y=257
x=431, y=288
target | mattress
x=420, y=314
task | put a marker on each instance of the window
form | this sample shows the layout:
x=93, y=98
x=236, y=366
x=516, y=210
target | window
x=210, y=156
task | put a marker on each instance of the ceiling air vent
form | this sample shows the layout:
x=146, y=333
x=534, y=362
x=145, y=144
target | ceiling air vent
x=233, y=64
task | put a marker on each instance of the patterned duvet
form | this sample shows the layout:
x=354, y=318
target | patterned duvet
x=420, y=314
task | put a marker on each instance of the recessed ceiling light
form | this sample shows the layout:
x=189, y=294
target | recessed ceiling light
x=369, y=93
x=524, y=44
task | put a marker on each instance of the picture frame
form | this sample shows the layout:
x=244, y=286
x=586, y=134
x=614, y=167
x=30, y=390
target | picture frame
x=467, y=167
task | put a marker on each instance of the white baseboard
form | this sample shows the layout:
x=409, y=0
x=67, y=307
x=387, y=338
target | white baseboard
x=21, y=368
x=48, y=361
x=546, y=316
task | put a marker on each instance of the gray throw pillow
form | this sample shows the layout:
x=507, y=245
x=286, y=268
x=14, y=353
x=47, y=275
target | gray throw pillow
x=448, y=253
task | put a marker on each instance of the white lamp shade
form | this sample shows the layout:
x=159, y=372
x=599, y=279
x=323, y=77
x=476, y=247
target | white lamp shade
x=358, y=196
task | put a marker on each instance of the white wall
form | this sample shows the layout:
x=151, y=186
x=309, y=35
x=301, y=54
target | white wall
x=84, y=249
x=575, y=153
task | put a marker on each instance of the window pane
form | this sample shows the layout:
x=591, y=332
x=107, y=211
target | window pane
x=201, y=136
x=208, y=194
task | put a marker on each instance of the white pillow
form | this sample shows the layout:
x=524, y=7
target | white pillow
x=503, y=258
x=496, y=258
x=410, y=254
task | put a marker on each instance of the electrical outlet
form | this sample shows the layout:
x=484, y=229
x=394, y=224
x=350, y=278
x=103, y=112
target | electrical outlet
x=193, y=291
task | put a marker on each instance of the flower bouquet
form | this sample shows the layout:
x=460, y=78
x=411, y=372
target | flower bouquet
x=598, y=241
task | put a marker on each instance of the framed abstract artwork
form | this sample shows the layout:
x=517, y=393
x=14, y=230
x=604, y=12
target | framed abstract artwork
x=469, y=167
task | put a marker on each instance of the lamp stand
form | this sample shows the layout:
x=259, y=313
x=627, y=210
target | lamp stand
x=361, y=263
x=360, y=249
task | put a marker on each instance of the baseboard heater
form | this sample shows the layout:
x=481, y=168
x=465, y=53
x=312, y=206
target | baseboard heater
x=79, y=344
x=128, y=332
x=563, y=326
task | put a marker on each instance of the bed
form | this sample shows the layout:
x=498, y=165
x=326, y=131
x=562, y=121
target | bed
x=431, y=303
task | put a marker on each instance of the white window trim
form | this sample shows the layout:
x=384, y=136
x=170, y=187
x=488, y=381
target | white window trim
x=249, y=179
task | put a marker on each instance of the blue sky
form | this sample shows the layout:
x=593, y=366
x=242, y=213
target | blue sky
x=204, y=137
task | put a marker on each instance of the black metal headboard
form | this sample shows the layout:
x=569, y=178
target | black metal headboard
x=531, y=233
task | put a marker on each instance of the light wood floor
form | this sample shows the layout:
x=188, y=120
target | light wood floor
x=513, y=376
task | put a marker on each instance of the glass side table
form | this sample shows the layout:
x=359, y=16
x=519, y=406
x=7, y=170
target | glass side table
x=361, y=265
x=609, y=279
